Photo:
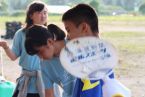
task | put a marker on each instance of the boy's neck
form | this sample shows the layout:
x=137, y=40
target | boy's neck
x=96, y=34
x=58, y=46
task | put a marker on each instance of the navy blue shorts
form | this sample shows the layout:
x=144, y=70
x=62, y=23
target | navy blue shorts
x=28, y=95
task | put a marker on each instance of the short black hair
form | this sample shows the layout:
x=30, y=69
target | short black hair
x=36, y=36
x=82, y=13
x=57, y=32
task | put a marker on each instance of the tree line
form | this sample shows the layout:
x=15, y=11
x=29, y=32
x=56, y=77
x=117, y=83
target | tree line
x=99, y=5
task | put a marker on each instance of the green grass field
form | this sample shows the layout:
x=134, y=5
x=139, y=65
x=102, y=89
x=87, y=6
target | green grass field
x=123, y=18
x=3, y=19
x=102, y=19
x=132, y=41
x=58, y=17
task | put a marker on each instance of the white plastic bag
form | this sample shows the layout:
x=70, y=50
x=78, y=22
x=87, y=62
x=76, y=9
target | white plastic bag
x=113, y=88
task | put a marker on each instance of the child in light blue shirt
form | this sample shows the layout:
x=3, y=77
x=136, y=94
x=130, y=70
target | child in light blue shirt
x=47, y=44
x=30, y=73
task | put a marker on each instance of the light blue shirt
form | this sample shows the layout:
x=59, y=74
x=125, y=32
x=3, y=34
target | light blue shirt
x=26, y=61
x=53, y=72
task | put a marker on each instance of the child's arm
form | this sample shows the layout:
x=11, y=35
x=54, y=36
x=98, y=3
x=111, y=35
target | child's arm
x=8, y=51
x=49, y=92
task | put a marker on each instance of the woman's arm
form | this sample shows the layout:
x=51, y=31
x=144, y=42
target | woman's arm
x=8, y=51
x=49, y=92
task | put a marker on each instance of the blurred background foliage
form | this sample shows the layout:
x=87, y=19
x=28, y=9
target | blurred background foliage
x=103, y=7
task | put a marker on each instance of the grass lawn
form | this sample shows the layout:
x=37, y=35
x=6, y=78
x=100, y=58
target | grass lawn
x=131, y=41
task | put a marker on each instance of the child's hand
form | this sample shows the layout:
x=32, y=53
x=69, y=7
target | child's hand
x=4, y=44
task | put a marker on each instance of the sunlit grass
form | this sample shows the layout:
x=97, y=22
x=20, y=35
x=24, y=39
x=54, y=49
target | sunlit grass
x=4, y=19
x=131, y=42
x=122, y=18
x=132, y=47
x=58, y=18
x=54, y=18
x=123, y=34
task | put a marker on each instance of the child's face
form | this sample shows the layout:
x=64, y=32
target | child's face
x=40, y=17
x=72, y=30
x=46, y=51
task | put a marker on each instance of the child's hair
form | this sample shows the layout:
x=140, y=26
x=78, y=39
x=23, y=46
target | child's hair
x=35, y=6
x=36, y=36
x=82, y=13
x=57, y=33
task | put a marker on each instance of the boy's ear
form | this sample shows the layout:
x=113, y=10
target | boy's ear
x=50, y=42
x=84, y=27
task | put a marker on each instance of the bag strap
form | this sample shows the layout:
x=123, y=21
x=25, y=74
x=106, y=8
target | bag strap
x=1, y=63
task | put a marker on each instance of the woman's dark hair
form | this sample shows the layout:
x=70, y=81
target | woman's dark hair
x=58, y=33
x=35, y=6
